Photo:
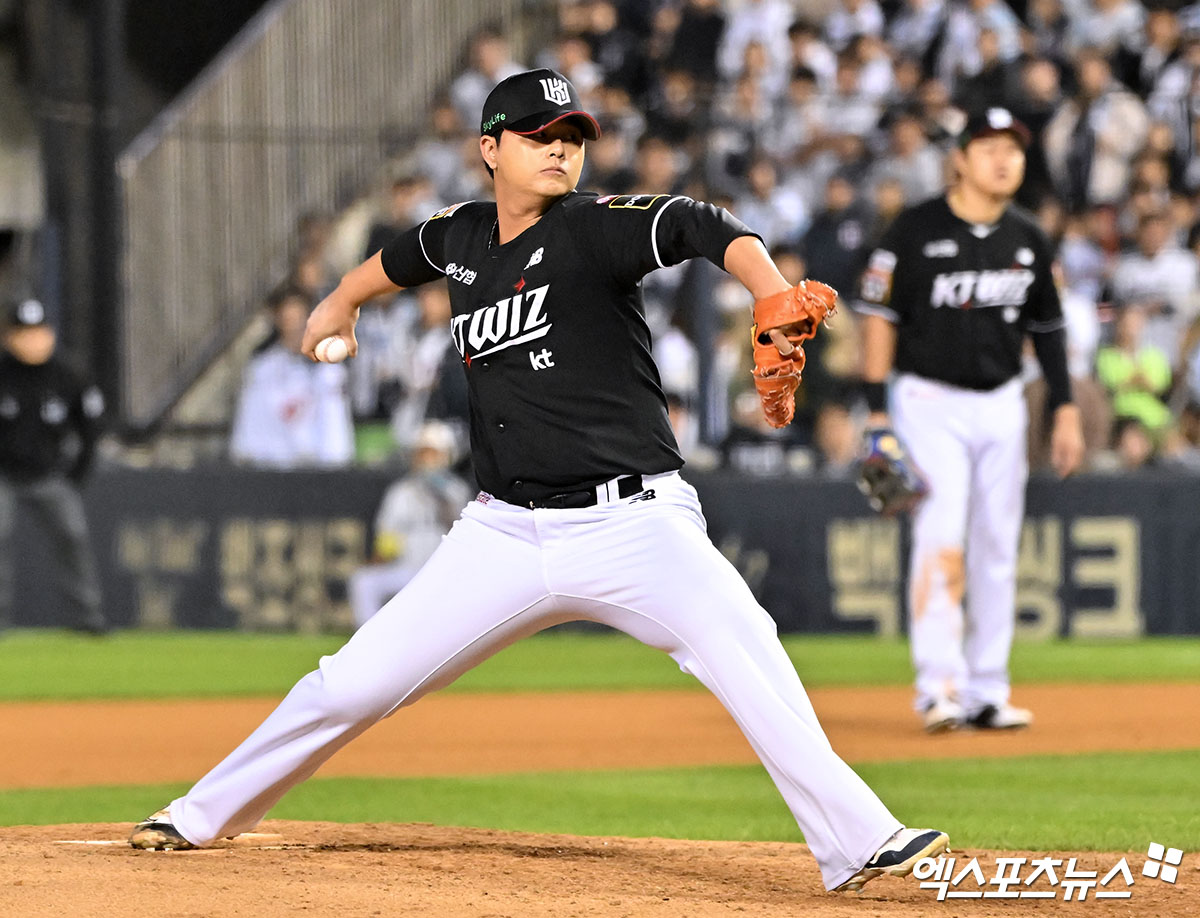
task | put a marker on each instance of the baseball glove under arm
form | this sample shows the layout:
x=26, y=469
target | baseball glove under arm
x=795, y=312
x=888, y=475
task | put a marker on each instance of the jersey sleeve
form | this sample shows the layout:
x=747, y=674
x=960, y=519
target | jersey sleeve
x=416, y=256
x=641, y=232
x=878, y=283
x=1043, y=308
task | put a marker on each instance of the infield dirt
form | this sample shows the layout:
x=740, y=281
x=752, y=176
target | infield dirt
x=290, y=868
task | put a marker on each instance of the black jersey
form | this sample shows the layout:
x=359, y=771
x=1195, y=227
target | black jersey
x=48, y=419
x=962, y=296
x=552, y=333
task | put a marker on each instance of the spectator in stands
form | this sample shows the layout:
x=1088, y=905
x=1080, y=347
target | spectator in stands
x=656, y=164
x=1133, y=445
x=847, y=109
x=608, y=167
x=876, y=75
x=1141, y=64
x=411, y=199
x=763, y=21
x=1036, y=97
x=910, y=158
x=1182, y=446
x=851, y=18
x=990, y=86
x=617, y=49
x=887, y=200
x=837, y=439
x=572, y=57
x=916, y=27
x=491, y=62
x=798, y=123
x=696, y=39
x=416, y=512
x=678, y=114
x=435, y=156
x=778, y=213
x=1107, y=25
x=425, y=365
x=754, y=447
x=291, y=412
x=959, y=56
x=1162, y=279
x=809, y=53
x=1093, y=136
x=835, y=244
x=1137, y=374
x=1048, y=23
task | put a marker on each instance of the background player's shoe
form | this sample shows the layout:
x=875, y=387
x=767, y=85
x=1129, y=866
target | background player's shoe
x=899, y=855
x=156, y=833
x=942, y=714
x=1000, y=717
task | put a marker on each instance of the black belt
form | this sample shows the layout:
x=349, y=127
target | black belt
x=603, y=493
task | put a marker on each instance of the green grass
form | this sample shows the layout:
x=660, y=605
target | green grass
x=57, y=665
x=1106, y=802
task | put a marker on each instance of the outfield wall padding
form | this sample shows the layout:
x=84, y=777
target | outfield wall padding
x=229, y=548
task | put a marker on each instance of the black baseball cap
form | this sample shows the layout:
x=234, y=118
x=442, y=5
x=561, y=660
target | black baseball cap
x=994, y=121
x=25, y=314
x=527, y=102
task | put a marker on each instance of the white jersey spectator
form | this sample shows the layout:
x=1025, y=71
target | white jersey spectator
x=1108, y=25
x=414, y=515
x=960, y=52
x=1163, y=279
x=292, y=413
x=491, y=62
x=916, y=25
x=851, y=18
x=764, y=21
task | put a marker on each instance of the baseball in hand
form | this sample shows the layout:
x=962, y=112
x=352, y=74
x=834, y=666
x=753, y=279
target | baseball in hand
x=332, y=349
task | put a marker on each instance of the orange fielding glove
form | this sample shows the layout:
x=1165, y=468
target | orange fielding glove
x=796, y=313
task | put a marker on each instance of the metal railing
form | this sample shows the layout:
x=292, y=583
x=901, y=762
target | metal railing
x=296, y=115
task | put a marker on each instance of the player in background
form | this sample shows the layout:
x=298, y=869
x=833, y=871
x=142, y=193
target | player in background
x=582, y=513
x=948, y=297
x=49, y=424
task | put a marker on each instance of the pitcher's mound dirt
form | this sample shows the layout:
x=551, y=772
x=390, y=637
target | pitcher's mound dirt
x=290, y=868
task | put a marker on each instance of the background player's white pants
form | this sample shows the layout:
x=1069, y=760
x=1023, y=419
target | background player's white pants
x=503, y=572
x=971, y=447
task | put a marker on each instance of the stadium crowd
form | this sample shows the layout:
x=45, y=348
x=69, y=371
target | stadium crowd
x=816, y=123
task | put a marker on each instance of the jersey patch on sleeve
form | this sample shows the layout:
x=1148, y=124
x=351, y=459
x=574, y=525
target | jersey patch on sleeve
x=447, y=211
x=877, y=279
x=630, y=201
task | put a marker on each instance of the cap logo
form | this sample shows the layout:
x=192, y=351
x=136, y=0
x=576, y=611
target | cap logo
x=493, y=121
x=999, y=119
x=31, y=313
x=556, y=90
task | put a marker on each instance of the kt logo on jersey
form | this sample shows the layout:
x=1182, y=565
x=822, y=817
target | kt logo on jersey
x=962, y=289
x=511, y=322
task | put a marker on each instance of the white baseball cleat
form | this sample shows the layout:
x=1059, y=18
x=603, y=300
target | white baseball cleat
x=942, y=714
x=899, y=855
x=1000, y=717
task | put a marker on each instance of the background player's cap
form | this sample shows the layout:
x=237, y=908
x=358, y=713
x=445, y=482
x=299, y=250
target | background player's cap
x=25, y=314
x=527, y=102
x=994, y=121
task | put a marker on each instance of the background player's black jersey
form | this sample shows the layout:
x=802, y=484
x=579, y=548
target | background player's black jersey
x=962, y=296
x=552, y=332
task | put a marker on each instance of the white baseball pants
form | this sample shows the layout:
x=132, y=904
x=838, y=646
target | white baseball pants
x=971, y=447
x=642, y=565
